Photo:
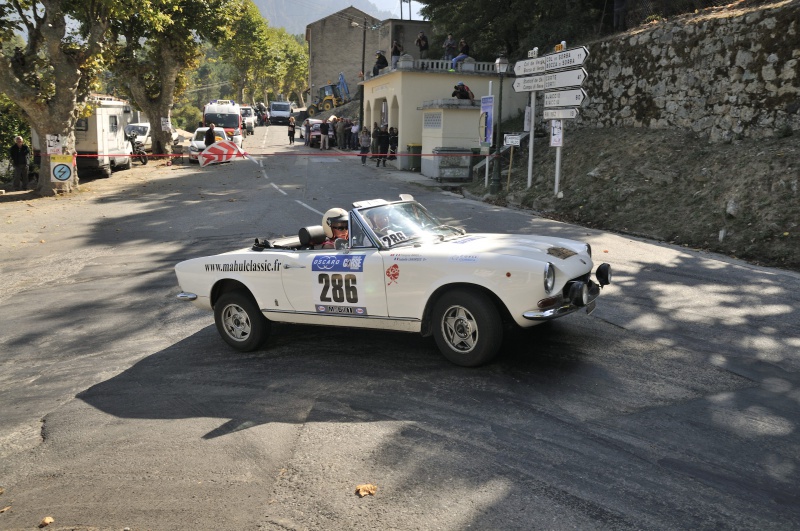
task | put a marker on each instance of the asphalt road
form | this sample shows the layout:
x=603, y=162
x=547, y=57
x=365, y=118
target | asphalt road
x=675, y=405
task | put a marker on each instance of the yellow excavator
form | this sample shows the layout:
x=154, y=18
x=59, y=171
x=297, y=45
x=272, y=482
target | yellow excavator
x=330, y=96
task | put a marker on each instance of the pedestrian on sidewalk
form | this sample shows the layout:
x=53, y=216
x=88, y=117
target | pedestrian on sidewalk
x=20, y=155
x=291, y=130
x=364, y=140
x=383, y=145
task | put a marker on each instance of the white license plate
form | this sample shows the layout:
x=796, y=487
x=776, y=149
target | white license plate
x=590, y=307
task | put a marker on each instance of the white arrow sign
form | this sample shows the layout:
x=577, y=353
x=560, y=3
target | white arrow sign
x=560, y=114
x=530, y=66
x=568, y=78
x=564, y=98
x=529, y=84
x=573, y=57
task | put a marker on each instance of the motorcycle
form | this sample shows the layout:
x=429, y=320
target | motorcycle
x=137, y=148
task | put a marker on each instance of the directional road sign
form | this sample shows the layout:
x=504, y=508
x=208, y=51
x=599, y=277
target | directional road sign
x=560, y=114
x=564, y=98
x=556, y=80
x=529, y=66
x=529, y=84
x=567, y=78
x=573, y=57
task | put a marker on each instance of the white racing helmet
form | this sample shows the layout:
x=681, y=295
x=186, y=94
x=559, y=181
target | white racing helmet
x=332, y=216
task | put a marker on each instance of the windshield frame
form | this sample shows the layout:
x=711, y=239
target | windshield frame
x=402, y=223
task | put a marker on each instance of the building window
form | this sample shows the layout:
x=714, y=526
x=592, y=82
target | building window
x=432, y=120
x=82, y=124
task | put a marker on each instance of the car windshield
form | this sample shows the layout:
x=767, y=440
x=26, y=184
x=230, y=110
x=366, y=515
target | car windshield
x=247, y=112
x=230, y=121
x=280, y=107
x=140, y=130
x=402, y=223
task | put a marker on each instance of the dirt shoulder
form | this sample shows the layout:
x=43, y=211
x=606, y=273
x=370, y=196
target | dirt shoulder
x=740, y=199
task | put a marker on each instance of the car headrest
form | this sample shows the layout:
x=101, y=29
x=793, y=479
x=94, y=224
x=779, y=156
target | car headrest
x=313, y=235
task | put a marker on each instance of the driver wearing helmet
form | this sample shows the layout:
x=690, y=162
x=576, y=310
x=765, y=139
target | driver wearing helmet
x=334, y=223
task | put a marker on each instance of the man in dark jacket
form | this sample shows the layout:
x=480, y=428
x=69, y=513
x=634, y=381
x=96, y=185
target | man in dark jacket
x=20, y=154
x=380, y=63
x=383, y=146
x=324, y=128
x=210, y=136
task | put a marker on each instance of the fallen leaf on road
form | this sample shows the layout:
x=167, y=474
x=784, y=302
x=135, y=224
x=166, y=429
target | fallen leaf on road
x=46, y=521
x=367, y=488
x=4, y=509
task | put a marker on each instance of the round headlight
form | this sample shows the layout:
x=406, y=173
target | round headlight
x=603, y=274
x=549, y=277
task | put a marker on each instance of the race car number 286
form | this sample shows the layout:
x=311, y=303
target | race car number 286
x=337, y=287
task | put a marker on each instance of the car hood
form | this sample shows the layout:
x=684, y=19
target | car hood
x=542, y=248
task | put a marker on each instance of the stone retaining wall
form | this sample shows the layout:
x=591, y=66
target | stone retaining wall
x=722, y=74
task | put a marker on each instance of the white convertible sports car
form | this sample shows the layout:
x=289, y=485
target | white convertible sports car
x=398, y=268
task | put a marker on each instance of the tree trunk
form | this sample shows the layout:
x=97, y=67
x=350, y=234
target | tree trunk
x=158, y=108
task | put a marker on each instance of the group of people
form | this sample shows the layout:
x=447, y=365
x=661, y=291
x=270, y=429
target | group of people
x=453, y=52
x=380, y=145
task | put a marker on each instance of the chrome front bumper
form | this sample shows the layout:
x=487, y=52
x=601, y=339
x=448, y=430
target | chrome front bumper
x=566, y=307
x=184, y=296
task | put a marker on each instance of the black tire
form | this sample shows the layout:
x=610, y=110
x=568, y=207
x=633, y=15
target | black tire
x=467, y=327
x=327, y=106
x=239, y=321
x=312, y=111
x=143, y=158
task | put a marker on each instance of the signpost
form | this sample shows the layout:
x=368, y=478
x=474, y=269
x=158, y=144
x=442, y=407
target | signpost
x=511, y=140
x=558, y=70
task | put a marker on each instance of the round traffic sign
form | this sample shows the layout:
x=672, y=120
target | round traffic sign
x=62, y=172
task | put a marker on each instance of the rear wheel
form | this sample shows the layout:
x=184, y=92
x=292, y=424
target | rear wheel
x=239, y=321
x=327, y=106
x=467, y=327
x=312, y=110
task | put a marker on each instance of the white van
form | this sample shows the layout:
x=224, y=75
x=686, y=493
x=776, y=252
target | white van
x=279, y=112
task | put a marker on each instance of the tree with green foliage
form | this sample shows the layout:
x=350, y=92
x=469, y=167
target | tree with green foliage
x=154, y=51
x=51, y=76
x=512, y=27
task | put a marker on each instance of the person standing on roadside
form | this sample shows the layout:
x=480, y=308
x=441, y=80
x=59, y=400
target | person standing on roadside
x=20, y=155
x=354, y=135
x=291, y=130
x=364, y=140
x=210, y=136
x=324, y=127
x=383, y=145
x=307, y=131
x=339, y=129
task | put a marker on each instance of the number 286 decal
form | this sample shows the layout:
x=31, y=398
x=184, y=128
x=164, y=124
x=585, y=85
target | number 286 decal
x=337, y=287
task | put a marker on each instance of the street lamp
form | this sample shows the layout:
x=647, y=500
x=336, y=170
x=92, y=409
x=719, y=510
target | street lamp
x=363, y=73
x=500, y=66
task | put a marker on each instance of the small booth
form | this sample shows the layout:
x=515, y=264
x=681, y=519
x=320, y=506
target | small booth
x=449, y=134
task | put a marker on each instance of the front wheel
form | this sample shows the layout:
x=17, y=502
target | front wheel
x=312, y=110
x=239, y=321
x=467, y=327
x=143, y=157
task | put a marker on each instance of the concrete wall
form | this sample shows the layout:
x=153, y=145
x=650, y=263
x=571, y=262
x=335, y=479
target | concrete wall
x=723, y=75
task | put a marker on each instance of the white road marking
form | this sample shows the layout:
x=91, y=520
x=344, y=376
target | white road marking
x=278, y=189
x=312, y=209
